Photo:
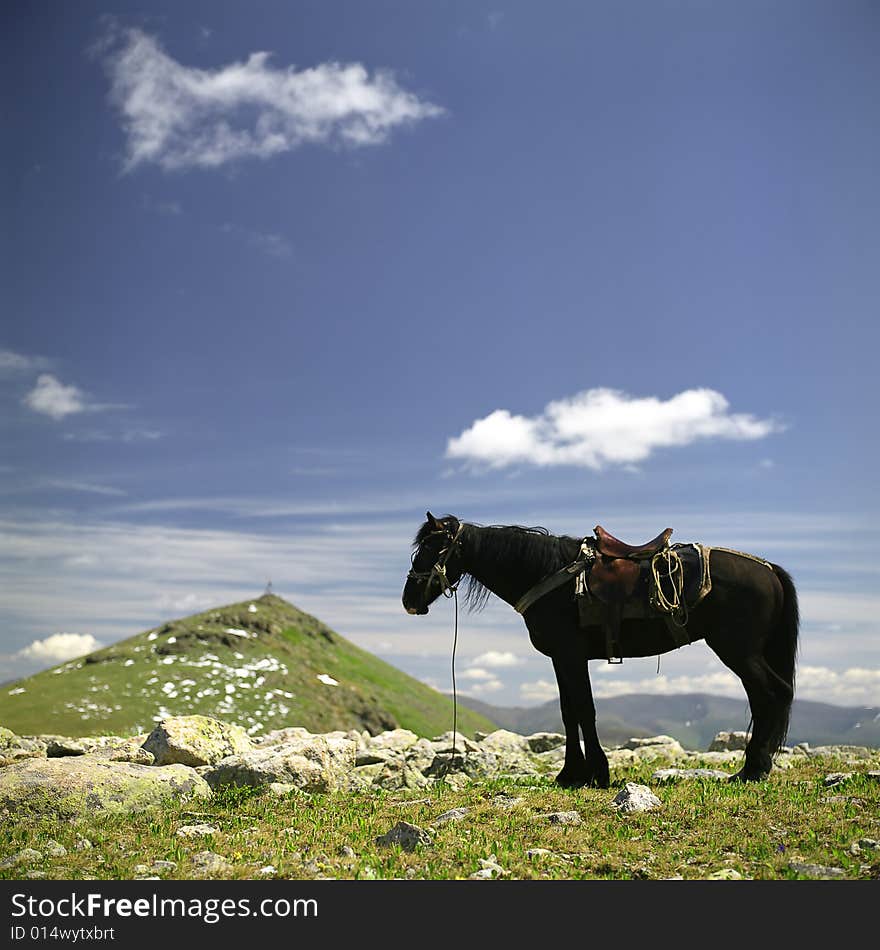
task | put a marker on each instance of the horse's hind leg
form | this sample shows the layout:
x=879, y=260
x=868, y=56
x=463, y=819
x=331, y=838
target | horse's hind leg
x=770, y=701
x=579, y=715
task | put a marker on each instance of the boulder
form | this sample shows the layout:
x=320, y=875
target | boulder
x=195, y=741
x=73, y=786
x=311, y=764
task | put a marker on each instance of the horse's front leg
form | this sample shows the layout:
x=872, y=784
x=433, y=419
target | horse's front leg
x=579, y=716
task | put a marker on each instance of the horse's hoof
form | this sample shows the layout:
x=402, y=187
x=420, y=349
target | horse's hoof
x=599, y=781
x=571, y=780
x=748, y=775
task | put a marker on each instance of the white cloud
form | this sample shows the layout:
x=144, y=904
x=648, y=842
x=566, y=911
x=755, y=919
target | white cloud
x=179, y=116
x=497, y=658
x=476, y=673
x=11, y=362
x=52, y=398
x=539, y=691
x=58, y=647
x=601, y=427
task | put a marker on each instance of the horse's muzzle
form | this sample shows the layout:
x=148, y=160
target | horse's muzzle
x=416, y=611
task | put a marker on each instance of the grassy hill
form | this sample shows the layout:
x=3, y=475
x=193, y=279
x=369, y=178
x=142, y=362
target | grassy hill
x=262, y=664
x=693, y=719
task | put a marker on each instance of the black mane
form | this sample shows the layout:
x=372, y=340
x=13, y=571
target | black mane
x=535, y=546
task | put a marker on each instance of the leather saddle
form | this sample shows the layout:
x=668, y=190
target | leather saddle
x=614, y=577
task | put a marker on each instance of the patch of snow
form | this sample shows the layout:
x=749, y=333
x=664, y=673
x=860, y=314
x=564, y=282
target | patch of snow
x=15, y=692
x=252, y=609
x=171, y=640
x=237, y=633
x=128, y=663
x=168, y=659
x=230, y=688
x=327, y=680
x=152, y=636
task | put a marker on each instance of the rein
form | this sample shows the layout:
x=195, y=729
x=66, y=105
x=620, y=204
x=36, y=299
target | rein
x=448, y=590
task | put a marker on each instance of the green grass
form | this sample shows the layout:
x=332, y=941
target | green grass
x=755, y=830
x=185, y=666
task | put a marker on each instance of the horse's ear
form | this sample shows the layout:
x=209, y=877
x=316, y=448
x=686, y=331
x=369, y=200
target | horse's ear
x=433, y=522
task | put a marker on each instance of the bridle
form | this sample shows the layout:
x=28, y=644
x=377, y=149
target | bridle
x=439, y=568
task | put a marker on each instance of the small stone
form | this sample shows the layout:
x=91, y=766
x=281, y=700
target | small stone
x=836, y=778
x=82, y=844
x=54, y=849
x=408, y=836
x=534, y=853
x=27, y=856
x=268, y=871
x=210, y=862
x=816, y=870
x=635, y=797
x=724, y=874
x=564, y=818
x=347, y=852
x=196, y=831
x=454, y=814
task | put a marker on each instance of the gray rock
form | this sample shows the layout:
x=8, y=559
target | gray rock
x=836, y=778
x=634, y=797
x=816, y=870
x=27, y=856
x=408, y=836
x=729, y=742
x=209, y=862
x=195, y=741
x=545, y=741
x=70, y=787
x=563, y=818
x=54, y=849
x=312, y=764
x=488, y=870
x=196, y=831
x=454, y=814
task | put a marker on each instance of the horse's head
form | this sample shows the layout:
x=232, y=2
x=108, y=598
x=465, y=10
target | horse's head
x=436, y=563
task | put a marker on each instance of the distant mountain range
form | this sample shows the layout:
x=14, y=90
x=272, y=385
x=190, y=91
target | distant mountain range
x=262, y=664
x=693, y=719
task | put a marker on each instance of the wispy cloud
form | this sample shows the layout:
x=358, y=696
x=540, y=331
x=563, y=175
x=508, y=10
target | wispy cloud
x=102, y=435
x=58, y=400
x=12, y=362
x=602, y=427
x=179, y=116
x=89, y=487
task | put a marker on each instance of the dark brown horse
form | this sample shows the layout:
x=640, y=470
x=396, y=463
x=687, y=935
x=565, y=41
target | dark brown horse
x=749, y=618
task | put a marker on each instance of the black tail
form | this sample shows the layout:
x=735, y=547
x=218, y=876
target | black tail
x=782, y=647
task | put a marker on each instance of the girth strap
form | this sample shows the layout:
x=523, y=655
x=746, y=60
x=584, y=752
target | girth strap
x=551, y=582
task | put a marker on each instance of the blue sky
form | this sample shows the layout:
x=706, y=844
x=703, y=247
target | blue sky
x=279, y=277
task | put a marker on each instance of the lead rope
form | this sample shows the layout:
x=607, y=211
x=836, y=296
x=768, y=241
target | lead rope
x=454, y=692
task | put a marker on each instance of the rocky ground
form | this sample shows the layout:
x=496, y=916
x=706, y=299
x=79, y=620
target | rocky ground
x=190, y=757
